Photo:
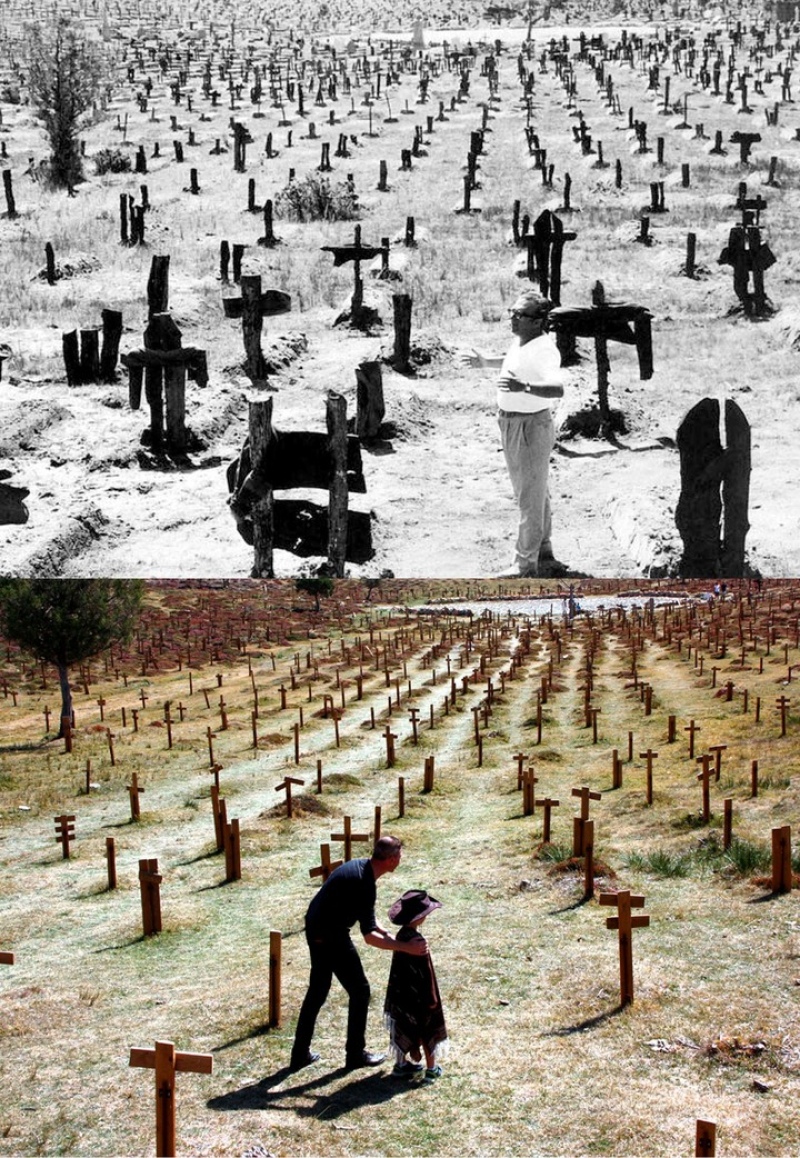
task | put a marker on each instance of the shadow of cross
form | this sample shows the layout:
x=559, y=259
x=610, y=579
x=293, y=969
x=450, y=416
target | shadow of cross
x=625, y=922
x=605, y=322
x=167, y=1062
x=356, y=253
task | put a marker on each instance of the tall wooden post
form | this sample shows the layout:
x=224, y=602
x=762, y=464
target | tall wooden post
x=336, y=417
x=275, y=943
x=261, y=434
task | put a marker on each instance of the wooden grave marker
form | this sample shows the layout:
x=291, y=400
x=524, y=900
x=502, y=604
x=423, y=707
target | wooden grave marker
x=150, y=891
x=357, y=314
x=252, y=306
x=134, y=791
x=548, y=805
x=233, y=850
x=275, y=945
x=705, y=1139
x=625, y=922
x=326, y=865
x=712, y=511
x=348, y=836
x=782, y=859
x=579, y=822
x=111, y=862
x=545, y=250
x=65, y=832
x=286, y=786
x=272, y=460
x=605, y=322
x=164, y=364
x=749, y=258
x=167, y=1062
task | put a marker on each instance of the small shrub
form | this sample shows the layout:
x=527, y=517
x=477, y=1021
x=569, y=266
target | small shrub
x=316, y=199
x=554, y=852
x=660, y=863
x=111, y=161
x=746, y=858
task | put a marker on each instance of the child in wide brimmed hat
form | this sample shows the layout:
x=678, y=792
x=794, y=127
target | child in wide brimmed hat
x=413, y=1008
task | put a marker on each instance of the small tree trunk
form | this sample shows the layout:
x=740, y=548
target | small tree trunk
x=66, y=696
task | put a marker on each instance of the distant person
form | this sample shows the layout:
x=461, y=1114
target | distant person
x=413, y=1006
x=347, y=896
x=530, y=377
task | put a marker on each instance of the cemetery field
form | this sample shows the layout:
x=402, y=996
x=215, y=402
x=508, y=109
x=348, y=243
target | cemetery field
x=246, y=684
x=632, y=149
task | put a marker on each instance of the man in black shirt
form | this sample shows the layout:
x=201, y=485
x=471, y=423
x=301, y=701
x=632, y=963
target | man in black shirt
x=347, y=896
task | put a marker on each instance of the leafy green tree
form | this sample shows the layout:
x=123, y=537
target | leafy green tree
x=320, y=586
x=65, y=70
x=67, y=621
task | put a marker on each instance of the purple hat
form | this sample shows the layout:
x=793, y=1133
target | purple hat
x=412, y=905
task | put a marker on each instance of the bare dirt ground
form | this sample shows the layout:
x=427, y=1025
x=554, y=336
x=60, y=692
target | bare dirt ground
x=438, y=486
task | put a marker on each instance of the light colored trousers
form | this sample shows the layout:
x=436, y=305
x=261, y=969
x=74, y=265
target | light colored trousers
x=528, y=441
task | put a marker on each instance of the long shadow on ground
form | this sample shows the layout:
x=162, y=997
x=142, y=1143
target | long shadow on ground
x=306, y=1098
x=589, y=1023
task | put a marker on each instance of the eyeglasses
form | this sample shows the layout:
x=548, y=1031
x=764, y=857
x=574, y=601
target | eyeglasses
x=522, y=314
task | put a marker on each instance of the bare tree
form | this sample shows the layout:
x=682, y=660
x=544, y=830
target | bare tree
x=64, y=72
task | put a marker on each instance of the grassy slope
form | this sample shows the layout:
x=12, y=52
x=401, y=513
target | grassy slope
x=543, y=1060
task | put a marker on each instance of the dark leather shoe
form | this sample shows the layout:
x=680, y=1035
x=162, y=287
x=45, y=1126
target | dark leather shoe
x=299, y=1063
x=365, y=1058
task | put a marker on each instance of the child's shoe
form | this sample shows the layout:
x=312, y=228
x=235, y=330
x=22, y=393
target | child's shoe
x=407, y=1069
x=432, y=1075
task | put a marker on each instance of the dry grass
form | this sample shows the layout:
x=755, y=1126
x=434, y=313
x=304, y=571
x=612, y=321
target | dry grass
x=543, y=1060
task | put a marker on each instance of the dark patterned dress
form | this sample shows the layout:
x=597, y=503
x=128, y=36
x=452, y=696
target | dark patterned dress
x=413, y=1008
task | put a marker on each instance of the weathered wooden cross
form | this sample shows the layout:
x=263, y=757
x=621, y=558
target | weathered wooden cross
x=134, y=790
x=625, y=923
x=326, y=865
x=649, y=756
x=252, y=306
x=750, y=258
x=782, y=859
x=164, y=365
x=605, y=322
x=712, y=511
x=548, y=805
x=167, y=1062
x=579, y=822
x=358, y=315
x=286, y=786
x=272, y=460
x=65, y=832
x=545, y=250
x=150, y=890
x=348, y=836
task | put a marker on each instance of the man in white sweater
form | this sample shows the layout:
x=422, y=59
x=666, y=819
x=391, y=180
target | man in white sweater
x=529, y=377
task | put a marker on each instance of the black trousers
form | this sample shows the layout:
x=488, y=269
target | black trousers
x=334, y=957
